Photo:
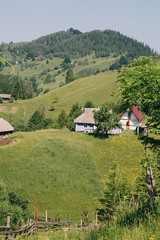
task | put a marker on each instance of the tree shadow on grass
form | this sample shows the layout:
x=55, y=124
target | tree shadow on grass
x=101, y=136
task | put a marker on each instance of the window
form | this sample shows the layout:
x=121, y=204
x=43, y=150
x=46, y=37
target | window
x=85, y=125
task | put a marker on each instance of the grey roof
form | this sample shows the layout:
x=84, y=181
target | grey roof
x=5, y=126
x=87, y=116
x=5, y=96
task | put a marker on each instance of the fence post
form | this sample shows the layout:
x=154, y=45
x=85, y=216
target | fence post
x=46, y=221
x=8, y=223
x=81, y=224
x=16, y=229
x=30, y=223
x=83, y=221
x=57, y=221
x=96, y=219
x=36, y=220
x=21, y=230
x=69, y=222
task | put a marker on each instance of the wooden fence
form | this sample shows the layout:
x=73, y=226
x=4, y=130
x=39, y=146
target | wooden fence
x=41, y=224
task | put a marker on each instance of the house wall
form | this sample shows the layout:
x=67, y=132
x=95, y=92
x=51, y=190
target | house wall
x=133, y=121
x=81, y=127
x=115, y=131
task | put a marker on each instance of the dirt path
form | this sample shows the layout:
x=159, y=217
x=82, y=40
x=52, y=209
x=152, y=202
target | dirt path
x=4, y=140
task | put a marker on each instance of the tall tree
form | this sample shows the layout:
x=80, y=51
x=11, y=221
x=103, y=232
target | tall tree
x=140, y=85
x=105, y=119
x=18, y=88
x=108, y=201
x=69, y=76
x=30, y=90
x=5, y=84
x=62, y=119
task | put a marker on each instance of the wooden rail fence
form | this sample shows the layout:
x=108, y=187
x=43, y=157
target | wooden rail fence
x=41, y=224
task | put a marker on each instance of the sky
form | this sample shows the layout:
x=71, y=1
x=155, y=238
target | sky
x=27, y=20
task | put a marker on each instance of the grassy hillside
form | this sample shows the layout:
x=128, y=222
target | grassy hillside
x=63, y=171
x=98, y=89
x=41, y=67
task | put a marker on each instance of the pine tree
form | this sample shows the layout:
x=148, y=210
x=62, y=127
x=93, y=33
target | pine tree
x=69, y=76
x=30, y=90
x=109, y=200
x=62, y=119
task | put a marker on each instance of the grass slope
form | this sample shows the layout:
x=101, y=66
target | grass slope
x=64, y=171
x=98, y=89
x=41, y=67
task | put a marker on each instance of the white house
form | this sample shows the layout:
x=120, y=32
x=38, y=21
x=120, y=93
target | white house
x=85, y=122
x=131, y=119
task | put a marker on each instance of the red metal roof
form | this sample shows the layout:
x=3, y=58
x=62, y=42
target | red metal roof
x=136, y=113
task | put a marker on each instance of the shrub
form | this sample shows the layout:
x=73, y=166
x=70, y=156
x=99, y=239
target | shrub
x=46, y=90
x=11, y=100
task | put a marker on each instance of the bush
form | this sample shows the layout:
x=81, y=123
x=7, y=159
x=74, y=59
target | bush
x=46, y=90
x=12, y=205
x=37, y=121
x=1, y=101
x=11, y=100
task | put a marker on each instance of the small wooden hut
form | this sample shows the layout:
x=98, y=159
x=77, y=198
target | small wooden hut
x=5, y=127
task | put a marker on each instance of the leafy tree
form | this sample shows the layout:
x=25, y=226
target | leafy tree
x=12, y=205
x=66, y=63
x=88, y=104
x=62, y=119
x=140, y=85
x=75, y=111
x=67, y=60
x=105, y=119
x=69, y=76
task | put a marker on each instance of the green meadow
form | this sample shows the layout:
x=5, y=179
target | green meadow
x=97, y=88
x=64, y=171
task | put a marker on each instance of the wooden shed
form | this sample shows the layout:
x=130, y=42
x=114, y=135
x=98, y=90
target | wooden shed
x=5, y=97
x=5, y=127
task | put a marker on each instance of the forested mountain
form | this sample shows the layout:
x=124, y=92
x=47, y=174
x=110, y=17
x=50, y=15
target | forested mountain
x=74, y=43
x=45, y=61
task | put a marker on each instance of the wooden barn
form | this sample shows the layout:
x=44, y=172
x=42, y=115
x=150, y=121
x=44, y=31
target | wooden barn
x=131, y=119
x=5, y=127
x=5, y=97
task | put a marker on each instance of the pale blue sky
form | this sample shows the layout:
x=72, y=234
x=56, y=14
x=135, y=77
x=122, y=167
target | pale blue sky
x=26, y=20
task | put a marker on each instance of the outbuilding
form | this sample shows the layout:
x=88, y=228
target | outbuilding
x=5, y=97
x=5, y=127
